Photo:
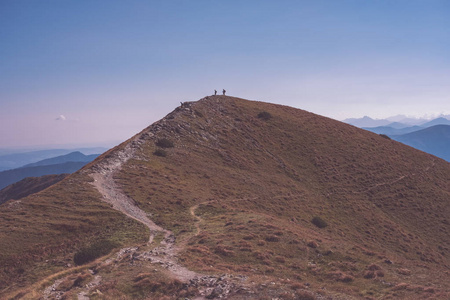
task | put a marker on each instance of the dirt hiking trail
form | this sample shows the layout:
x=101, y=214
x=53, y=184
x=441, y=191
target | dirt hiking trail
x=165, y=254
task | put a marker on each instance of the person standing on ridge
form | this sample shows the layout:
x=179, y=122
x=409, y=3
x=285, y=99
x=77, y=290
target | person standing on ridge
x=215, y=92
x=223, y=92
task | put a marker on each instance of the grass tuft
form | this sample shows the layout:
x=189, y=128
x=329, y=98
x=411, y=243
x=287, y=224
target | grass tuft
x=319, y=222
x=160, y=152
x=264, y=115
x=94, y=251
x=164, y=143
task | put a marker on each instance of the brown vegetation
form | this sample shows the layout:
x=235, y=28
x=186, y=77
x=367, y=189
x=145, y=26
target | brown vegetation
x=240, y=192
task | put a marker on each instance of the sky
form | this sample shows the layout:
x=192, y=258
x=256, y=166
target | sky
x=96, y=72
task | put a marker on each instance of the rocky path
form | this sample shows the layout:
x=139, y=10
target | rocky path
x=198, y=219
x=400, y=178
x=165, y=254
x=113, y=195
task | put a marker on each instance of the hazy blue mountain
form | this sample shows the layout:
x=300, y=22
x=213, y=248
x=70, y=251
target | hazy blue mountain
x=366, y=122
x=432, y=137
x=20, y=157
x=438, y=121
x=397, y=128
x=12, y=176
x=16, y=160
x=71, y=157
x=407, y=120
x=390, y=131
x=397, y=122
x=434, y=140
x=68, y=163
x=397, y=125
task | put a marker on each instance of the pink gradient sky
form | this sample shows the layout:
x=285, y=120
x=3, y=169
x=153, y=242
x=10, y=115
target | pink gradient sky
x=112, y=68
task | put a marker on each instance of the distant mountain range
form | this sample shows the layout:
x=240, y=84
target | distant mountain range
x=20, y=158
x=434, y=140
x=71, y=157
x=392, y=131
x=429, y=136
x=68, y=163
x=392, y=121
x=366, y=122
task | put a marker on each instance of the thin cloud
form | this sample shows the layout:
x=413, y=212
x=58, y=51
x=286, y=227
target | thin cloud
x=61, y=118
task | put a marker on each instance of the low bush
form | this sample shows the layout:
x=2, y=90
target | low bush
x=280, y=259
x=224, y=251
x=305, y=295
x=369, y=274
x=164, y=143
x=319, y=222
x=312, y=244
x=373, y=267
x=385, y=136
x=340, y=276
x=94, y=251
x=272, y=238
x=160, y=152
x=264, y=115
x=404, y=271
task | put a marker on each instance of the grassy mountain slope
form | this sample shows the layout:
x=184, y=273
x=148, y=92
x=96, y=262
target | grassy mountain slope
x=28, y=186
x=267, y=179
x=41, y=233
x=239, y=183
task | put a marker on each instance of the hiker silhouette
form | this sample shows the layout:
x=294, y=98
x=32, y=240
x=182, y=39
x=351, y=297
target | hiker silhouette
x=223, y=92
x=215, y=92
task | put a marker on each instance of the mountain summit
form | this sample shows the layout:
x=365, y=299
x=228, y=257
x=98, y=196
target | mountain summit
x=238, y=199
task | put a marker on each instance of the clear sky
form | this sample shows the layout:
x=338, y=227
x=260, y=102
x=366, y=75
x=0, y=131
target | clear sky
x=94, y=72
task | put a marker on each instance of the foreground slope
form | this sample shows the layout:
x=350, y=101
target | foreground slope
x=28, y=186
x=238, y=183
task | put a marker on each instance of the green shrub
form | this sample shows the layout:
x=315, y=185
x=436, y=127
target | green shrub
x=94, y=251
x=319, y=222
x=160, y=152
x=264, y=115
x=164, y=143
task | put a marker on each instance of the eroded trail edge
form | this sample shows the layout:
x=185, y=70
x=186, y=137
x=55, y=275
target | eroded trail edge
x=121, y=202
x=165, y=253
